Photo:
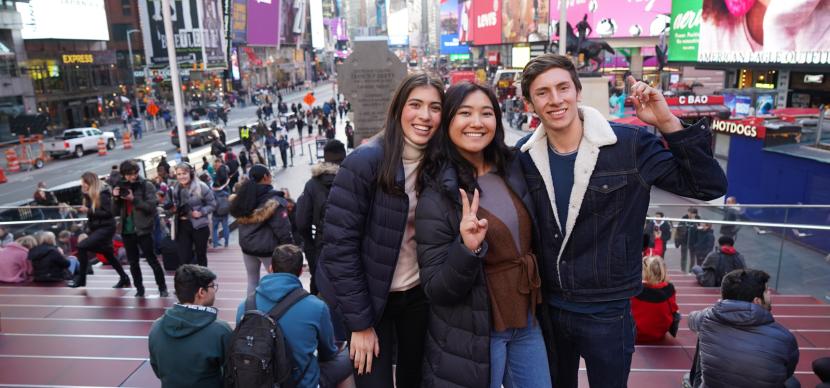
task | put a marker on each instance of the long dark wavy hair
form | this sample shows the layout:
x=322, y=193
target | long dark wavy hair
x=441, y=152
x=392, y=137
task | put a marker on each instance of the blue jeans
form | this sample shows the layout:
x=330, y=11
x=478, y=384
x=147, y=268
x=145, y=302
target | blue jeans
x=518, y=357
x=73, y=264
x=604, y=340
x=226, y=232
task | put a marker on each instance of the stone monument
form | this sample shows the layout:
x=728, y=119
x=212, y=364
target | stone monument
x=368, y=79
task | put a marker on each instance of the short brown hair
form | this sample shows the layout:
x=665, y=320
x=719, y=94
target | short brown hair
x=544, y=63
x=287, y=258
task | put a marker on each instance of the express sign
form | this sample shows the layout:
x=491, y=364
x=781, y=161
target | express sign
x=745, y=128
x=695, y=100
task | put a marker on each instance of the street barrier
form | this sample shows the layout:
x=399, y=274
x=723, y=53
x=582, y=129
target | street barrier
x=11, y=160
x=102, y=147
x=128, y=143
x=3, y=176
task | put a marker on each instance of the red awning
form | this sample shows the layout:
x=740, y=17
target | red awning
x=795, y=112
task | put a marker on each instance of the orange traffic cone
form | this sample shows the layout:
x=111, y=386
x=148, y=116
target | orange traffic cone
x=11, y=160
x=102, y=147
x=127, y=142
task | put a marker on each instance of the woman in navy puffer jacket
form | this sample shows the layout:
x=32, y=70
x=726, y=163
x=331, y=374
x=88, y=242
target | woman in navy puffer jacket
x=368, y=266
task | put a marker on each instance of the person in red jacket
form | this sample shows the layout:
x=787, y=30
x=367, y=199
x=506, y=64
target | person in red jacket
x=655, y=307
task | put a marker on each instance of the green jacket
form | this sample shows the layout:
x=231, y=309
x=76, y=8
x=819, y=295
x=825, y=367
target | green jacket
x=187, y=347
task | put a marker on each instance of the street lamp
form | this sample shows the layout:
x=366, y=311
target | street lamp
x=132, y=72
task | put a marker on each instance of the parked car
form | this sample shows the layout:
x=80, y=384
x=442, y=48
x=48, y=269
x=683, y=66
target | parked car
x=78, y=141
x=198, y=133
x=202, y=110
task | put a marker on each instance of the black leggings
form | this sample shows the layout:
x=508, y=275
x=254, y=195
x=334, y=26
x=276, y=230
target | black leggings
x=189, y=240
x=401, y=332
x=131, y=244
x=99, y=241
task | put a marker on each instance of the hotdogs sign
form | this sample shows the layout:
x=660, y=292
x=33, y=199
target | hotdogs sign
x=747, y=128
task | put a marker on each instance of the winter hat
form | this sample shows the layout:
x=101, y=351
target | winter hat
x=334, y=151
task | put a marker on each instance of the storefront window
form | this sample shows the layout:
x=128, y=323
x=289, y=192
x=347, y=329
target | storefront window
x=9, y=107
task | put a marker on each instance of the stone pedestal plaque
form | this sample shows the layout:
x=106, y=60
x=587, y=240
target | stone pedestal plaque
x=368, y=79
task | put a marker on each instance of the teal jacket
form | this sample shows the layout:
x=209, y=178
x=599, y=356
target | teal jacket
x=187, y=347
x=306, y=326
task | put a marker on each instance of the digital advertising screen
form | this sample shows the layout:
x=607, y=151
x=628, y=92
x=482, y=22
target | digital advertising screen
x=793, y=32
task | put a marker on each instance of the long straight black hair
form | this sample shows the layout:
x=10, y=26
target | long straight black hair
x=393, y=131
x=441, y=151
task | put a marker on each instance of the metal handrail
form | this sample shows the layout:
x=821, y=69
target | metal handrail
x=740, y=205
x=743, y=223
x=43, y=221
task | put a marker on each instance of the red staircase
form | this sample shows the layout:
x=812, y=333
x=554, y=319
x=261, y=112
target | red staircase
x=97, y=336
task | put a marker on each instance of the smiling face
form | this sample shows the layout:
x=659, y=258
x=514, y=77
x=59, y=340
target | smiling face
x=474, y=126
x=183, y=176
x=421, y=114
x=555, y=99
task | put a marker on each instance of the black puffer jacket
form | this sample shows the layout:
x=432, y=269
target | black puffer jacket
x=741, y=345
x=267, y=227
x=102, y=216
x=311, y=204
x=47, y=263
x=457, y=350
x=364, y=229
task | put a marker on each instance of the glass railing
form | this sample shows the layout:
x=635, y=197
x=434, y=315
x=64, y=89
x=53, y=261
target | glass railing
x=790, y=242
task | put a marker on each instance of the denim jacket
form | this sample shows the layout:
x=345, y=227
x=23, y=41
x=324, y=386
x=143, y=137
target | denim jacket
x=598, y=255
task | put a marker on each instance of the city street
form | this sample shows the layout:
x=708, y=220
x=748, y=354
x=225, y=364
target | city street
x=67, y=169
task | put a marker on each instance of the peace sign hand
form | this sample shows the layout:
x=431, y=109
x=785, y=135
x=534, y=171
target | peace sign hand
x=472, y=229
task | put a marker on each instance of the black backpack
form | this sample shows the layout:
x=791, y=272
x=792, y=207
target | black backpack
x=258, y=355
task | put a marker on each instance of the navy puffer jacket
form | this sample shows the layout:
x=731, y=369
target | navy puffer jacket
x=362, y=237
x=741, y=345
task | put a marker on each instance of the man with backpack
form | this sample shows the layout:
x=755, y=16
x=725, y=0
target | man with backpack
x=311, y=205
x=719, y=263
x=187, y=344
x=303, y=326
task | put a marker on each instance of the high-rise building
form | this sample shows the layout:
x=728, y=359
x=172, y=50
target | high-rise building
x=16, y=94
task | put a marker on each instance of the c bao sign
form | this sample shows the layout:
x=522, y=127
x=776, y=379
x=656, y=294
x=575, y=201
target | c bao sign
x=740, y=128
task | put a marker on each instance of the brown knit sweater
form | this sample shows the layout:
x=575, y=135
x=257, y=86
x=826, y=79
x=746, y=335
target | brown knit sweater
x=512, y=277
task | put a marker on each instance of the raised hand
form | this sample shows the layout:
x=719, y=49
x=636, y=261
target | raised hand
x=651, y=107
x=472, y=229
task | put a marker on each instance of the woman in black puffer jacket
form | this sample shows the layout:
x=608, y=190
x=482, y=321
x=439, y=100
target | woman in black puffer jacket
x=97, y=205
x=262, y=216
x=368, y=266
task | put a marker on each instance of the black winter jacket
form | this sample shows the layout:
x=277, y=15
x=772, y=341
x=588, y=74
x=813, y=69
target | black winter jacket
x=457, y=345
x=267, y=227
x=741, y=345
x=364, y=229
x=311, y=205
x=48, y=263
x=144, y=207
x=102, y=216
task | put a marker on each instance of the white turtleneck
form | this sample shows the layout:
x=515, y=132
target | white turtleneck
x=406, y=272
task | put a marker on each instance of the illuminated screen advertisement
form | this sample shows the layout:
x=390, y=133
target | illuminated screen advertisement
x=239, y=21
x=464, y=26
x=450, y=45
x=524, y=22
x=318, y=39
x=449, y=17
x=197, y=29
x=617, y=18
x=718, y=31
x=263, y=23
x=485, y=20
x=64, y=19
x=398, y=23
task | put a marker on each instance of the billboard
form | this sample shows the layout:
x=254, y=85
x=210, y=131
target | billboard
x=796, y=32
x=464, y=11
x=264, y=23
x=449, y=17
x=522, y=22
x=486, y=21
x=64, y=19
x=617, y=18
x=288, y=17
x=213, y=42
x=451, y=45
x=318, y=38
x=239, y=21
x=398, y=23
x=193, y=43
